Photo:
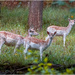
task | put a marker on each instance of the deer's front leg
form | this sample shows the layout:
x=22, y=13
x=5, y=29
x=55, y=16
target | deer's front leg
x=41, y=51
x=64, y=39
x=25, y=51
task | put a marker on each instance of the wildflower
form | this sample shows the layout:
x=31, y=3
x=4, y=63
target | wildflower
x=71, y=16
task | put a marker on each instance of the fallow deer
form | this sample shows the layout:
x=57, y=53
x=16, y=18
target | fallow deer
x=62, y=31
x=38, y=44
x=11, y=39
x=32, y=32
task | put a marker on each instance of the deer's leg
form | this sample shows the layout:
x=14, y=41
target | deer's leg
x=24, y=44
x=41, y=51
x=17, y=46
x=1, y=43
x=25, y=51
x=64, y=39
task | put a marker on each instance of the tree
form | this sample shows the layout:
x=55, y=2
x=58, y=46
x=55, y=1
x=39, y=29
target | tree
x=35, y=14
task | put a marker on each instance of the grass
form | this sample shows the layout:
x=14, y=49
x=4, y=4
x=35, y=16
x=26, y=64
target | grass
x=61, y=55
x=16, y=21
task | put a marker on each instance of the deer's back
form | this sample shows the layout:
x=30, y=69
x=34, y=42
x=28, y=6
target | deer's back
x=10, y=38
x=35, y=40
x=60, y=30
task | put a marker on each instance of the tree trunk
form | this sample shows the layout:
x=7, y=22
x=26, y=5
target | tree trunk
x=35, y=14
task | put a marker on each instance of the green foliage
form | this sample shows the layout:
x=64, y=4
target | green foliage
x=72, y=10
x=59, y=2
x=71, y=1
x=42, y=68
x=45, y=68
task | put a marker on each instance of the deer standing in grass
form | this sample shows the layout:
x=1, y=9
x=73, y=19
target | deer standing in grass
x=62, y=31
x=38, y=44
x=11, y=39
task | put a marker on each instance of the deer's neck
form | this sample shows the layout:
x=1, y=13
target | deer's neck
x=69, y=27
x=48, y=41
x=29, y=35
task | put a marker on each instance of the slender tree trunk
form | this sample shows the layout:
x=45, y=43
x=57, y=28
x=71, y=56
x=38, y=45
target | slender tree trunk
x=35, y=14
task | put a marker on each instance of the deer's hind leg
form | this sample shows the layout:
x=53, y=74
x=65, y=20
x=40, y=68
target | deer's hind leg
x=17, y=46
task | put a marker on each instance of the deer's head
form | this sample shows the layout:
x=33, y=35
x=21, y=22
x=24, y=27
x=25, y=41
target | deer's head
x=31, y=32
x=71, y=22
x=51, y=35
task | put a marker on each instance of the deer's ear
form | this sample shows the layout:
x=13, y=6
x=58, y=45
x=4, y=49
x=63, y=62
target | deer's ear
x=68, y=19
x=74, y=20
x=55, y=33
x=47, y=32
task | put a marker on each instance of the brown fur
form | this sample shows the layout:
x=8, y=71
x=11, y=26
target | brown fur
x=58, y=27
x=9, y=34
x=61, y=28
x=35, y=40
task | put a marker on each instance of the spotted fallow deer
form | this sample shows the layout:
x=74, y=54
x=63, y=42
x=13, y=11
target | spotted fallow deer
x=38, y=44
x=62, y=31
x=11, y=39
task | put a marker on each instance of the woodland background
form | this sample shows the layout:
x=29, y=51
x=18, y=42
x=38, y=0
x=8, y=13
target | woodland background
x=14, y=17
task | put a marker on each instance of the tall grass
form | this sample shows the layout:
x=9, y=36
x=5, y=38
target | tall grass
x=16, y=21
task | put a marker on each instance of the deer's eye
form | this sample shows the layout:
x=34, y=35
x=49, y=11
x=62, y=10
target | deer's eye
x=31, y=31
